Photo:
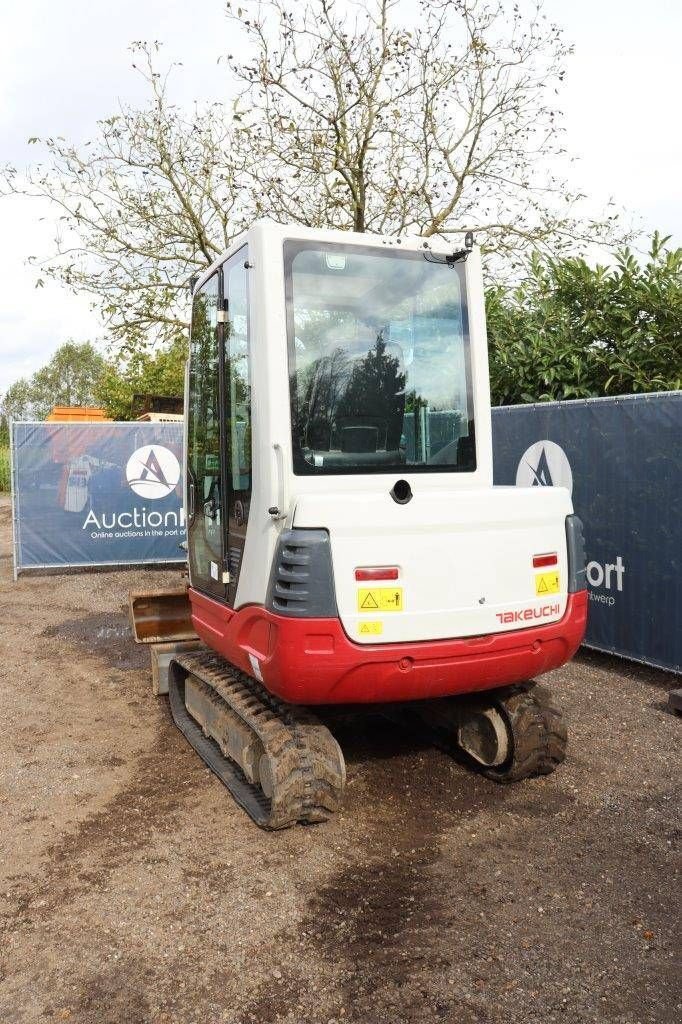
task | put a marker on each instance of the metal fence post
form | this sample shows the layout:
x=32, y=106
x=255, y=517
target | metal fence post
x=13, y=496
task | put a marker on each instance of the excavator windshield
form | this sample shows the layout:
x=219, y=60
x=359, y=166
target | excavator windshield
x=378, y=359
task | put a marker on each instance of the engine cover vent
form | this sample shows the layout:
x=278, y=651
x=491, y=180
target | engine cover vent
x=302, y=579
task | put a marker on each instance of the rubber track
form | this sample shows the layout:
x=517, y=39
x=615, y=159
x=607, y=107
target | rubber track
x=539, y=735
x=538, y=731
x=306, y=762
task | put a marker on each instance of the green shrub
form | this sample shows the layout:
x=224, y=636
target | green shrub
x=573, y=331
x=4, y=470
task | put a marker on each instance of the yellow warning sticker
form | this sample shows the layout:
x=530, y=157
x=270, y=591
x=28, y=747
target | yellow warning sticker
x=380, y=599
x=546, y=583
x=368, y=628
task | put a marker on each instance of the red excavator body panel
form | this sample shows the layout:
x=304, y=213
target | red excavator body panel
x=313, y=661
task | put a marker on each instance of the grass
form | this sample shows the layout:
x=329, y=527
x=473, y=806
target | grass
x=4, y=470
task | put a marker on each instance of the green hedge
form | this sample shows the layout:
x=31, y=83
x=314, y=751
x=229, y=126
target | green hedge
x=4, y=470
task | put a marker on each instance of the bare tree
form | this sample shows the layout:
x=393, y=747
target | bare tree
x=358, y=120
x=347, y=115
x=151, y=201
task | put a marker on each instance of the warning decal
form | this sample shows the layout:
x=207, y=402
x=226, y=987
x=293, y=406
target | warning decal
x=384, y=599
x=367, y=628
x=546, y=583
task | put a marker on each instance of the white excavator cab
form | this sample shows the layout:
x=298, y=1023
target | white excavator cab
x=355, y=399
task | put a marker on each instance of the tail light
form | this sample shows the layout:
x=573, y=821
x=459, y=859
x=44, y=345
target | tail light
x=540, y=561
x=386, y=572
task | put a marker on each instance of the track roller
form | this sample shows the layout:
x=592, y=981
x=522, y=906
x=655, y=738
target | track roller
x=278, y=761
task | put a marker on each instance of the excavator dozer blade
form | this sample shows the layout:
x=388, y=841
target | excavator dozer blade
x=159, y=616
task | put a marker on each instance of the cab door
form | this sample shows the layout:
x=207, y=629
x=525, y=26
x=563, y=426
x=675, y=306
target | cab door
x=206, y=488
x=237, y=406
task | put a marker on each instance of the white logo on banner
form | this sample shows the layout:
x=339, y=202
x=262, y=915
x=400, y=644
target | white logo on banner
x=153, y=471
x=544, y=464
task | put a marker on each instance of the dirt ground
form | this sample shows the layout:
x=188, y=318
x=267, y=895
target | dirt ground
x=133, y=890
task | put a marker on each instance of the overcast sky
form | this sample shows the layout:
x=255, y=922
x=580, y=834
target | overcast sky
x=65, y=64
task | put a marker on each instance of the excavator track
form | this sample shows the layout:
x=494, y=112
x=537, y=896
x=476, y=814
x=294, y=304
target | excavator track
x=279, y=762
x=537, y=732
x=509, y=734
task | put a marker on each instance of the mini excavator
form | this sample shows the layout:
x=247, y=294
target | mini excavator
x=346, y=545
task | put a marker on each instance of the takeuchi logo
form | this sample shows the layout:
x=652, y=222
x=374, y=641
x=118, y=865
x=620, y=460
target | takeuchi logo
x=544, y=464
x=153, y=471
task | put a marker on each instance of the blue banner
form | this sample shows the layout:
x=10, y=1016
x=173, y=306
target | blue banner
x=97, y=494
x=622, y=460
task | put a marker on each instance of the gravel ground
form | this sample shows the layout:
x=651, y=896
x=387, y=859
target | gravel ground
x=133, y=891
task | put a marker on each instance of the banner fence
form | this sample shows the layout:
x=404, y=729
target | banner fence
x=96, y=494
x=89, y=494
x=622, y=460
